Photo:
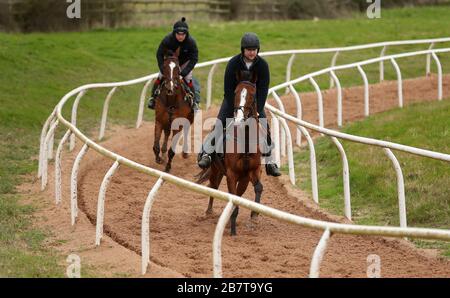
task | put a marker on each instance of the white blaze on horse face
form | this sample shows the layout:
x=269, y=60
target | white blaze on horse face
x=240, y=113
x=172, y=66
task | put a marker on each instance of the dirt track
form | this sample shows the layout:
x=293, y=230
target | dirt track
x=181, y=233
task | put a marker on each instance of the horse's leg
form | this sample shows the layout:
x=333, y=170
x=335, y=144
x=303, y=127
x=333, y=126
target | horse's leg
x=156, y=149
x=214, y=182
x=256, y=181
x=231, y=182
x=166, y=139
x=171, y=153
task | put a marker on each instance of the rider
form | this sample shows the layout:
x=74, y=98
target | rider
x=248, y=60
x=178, y=38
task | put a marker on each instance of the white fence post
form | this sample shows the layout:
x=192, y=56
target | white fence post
x=276, y=139
x=298, y=104
x=101, y=202
x=142, y=103
x=400, y=188
x=58, y=167
x=42, y=150
x=383, y=51
x=346, y=179
x=74, y=184
x=74, y=118
x=313, y=164
x=319, y=101
x=339, y=98
x=439, y=69
x=283, y=134
x=217, y=242
x=333, y=63
x=399, y=83
x=289, y=71
x=145, y=229
x=50, y=135
x=105, y=113
x=210, y=86
x=319, y=253
x=289, y=149
x=428, y=68
x=366, y=90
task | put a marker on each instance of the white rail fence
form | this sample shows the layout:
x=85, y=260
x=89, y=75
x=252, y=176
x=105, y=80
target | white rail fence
x=278, y=116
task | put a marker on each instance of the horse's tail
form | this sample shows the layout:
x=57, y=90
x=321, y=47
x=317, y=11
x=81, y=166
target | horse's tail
x=203, y=176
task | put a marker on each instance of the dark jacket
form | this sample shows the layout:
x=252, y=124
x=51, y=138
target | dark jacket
x=188, y=52
x=236, y=64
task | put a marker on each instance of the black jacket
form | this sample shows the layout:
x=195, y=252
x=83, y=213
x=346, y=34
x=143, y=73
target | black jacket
x=236, y=64
x=188, y=52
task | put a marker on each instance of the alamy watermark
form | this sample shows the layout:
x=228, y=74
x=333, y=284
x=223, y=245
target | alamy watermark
x=74, y=269
x=373, y=266
x=74, y=9
x=374, y=9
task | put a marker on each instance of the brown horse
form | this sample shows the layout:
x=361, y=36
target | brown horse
x=242, y=165
x=172, y=103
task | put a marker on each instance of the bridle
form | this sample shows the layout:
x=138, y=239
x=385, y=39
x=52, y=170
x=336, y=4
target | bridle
x=252, y=108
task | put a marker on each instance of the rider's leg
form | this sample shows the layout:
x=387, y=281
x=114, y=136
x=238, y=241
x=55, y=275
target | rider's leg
x=212, y=141
x=271, y=166
x=156, y=84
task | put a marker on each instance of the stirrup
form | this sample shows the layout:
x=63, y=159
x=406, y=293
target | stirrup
x=151, y=103
x=205, y=161
x=272, y=170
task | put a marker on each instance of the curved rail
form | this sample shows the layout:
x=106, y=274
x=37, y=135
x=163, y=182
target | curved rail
x=330, y=228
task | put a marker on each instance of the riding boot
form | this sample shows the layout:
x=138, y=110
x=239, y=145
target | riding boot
x=151, y=102
x=204, y=158
x=193, y=95
x=271, y=166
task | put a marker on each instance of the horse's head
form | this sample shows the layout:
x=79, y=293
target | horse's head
x=171, y=71
x=244, y=98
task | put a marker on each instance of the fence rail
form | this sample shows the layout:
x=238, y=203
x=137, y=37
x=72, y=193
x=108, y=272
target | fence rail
x=280, y=117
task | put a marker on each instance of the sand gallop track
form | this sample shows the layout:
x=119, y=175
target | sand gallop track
x=181, y=233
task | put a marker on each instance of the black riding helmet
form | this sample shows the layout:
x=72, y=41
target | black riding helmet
x=250, y=41
x=181, y=26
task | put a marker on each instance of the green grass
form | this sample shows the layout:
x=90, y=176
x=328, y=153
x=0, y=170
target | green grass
x=372, y=177
x=38, y=69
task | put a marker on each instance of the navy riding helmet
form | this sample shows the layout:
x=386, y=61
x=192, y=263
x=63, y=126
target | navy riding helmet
x=250, y=41
x=181, y=26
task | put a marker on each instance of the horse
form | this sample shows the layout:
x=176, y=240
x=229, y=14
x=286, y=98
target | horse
x=239, y=168
x=172, y=103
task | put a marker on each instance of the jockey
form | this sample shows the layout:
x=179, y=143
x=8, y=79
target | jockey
x=178, y=38
x=248, y=60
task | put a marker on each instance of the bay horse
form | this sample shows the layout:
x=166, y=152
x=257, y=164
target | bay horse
x=239, y=167
x=171, y=104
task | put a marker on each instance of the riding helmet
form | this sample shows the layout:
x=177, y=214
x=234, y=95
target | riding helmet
x=250, y=41
x=181, y=26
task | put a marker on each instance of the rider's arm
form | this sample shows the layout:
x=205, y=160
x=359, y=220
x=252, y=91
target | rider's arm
x=230, y=82
x=262, y=86
x=160, y=53
x=193, y=57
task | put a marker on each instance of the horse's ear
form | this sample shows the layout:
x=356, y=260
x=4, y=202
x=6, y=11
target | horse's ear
x=254, y=77
x=177, y=52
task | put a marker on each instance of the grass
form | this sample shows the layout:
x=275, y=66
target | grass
x=372, y=177
x=38, y=69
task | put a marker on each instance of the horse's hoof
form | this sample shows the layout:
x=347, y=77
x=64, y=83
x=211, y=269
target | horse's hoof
x=158, y=160
x=185, y=155
x=167, y=170
x=208, y=212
